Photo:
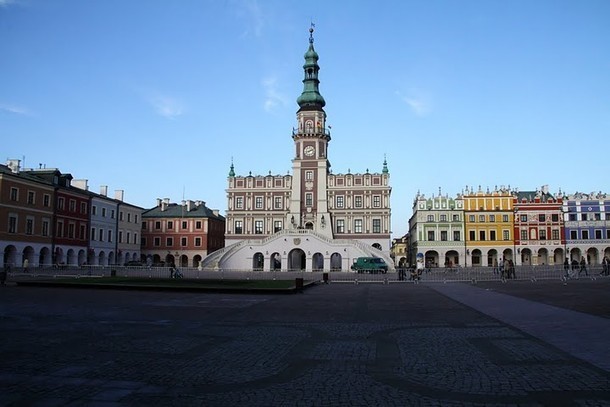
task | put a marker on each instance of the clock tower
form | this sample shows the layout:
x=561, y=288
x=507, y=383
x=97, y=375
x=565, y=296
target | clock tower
x=308, y=208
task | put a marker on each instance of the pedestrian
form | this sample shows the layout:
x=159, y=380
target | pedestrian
x=26, y=263
x=566, y=267
x=511, y=270
x=4, y=274
x=583, y=266
x=604, y=266
x=172, y=270
x=495, y=266
x=506, y=269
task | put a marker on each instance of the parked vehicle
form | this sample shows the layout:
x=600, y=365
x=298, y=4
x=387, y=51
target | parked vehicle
x=372, y=265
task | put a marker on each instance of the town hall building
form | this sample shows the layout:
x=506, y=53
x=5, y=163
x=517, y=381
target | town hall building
x=311, y=220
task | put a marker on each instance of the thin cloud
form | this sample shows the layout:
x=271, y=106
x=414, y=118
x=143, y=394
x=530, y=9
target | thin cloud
x=419, y=105
x=273, y=97
x=20, y=110
x=6, y=3
x=252, y=12
x=167, y=107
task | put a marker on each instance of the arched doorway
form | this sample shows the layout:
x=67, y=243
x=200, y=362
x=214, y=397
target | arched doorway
x=336, y=262
x=44, y=259
x=558, y=256
x=526, y=257
x=196, y=260
x=28, y=254
x=258, y=261
x=317, y=262
x=492, y=258
x=377, y=246
x=170, y=260
x=101, y=258
x=111, y=258
x=574, y=254
x=71, y=257
x=507, y=254
x=452, y=258
x=592, y=256
x=10, y=255
x=309, y=226
x=184, y=261
x=296, y=259
x=543, y=257
x=476, y=258
x=431, y=259
x=276, y=261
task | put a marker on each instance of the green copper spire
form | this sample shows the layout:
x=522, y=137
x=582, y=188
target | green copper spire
x=385, y=166
x=311, y=98
x=232, y=170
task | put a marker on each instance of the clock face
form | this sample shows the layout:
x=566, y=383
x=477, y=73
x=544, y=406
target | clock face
x=309, y=150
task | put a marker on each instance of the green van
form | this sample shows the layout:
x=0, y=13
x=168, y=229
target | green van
x=370, y=265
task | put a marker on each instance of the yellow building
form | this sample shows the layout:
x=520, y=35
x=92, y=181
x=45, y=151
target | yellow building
x=488, y=221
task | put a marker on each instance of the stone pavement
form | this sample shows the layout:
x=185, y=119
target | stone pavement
x=519, y=343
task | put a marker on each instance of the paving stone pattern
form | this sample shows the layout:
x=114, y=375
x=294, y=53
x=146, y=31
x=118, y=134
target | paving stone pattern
x=332, y=345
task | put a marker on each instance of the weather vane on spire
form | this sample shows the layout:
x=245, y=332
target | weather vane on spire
x=311, y=32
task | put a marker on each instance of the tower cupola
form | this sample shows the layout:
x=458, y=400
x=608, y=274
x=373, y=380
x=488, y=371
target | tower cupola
x=310, y=98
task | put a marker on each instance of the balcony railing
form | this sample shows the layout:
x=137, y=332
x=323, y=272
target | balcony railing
x=311, y=132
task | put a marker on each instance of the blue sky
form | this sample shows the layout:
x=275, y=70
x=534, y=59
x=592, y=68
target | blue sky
x=156, y=97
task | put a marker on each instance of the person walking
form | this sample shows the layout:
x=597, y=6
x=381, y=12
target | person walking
x=583, y=266
x=26, y=264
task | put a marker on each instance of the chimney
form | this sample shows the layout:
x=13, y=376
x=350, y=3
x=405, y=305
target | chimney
x=81, y=184
x=158, y=202
x=119, y=194
x=164, y=204
x=104, y=190
x=545, y=189
x=189, y=205
x=14, y=165
x=215, y=212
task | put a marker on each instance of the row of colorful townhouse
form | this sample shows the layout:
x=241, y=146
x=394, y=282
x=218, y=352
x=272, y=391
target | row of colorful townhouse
x=47, y=218
x=483, y=228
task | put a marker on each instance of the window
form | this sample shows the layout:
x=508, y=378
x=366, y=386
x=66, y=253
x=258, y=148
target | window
x=471, y=218
x=481, y=235
x=93, y=233
x=277, y=202
x=110, y=235
x=60, y=205
x=46, y=200
x=31, y=196
x=239, y=202
x=83, y=232
x=29, y=226
x=492, y=218
x=169, y=242
x=431, y=235
x=93, y=209
x=157, y=241
x=45, y=227
x=481, y=218
x=198, y=224
x=524, y=235
x=573, y=234
x=258, y=227
x=309, y=175
x=598, y=234
x=523, y=218
x=14, y=194
x=60, y=229
x=492, y=235
x=555, y=217
x=238, y=227
x=443, y=235
x=129, y=217
x=357, y=225
x=112, y=214
x=376, y=201
x=430, y=218
x=472, y=235
x=443, y=218
x=376, y=225
x=542, y=234
x=143, y=242
x=504, y=218
x=157, y=225
x=120, y=236
x=184, y=224
x=83, y=208
x=121, y=216
x=584, y=216
x=456, y=217
x=572, y=216
x=505, y=235
x=103, y=212
x=101, y=235
x=340, y=201
x=340, y=226
x=585, y=235
x=170, y=224
x=541, y=217
x=135, y=218
x=358, y=201
x=598, y=216
x=607, y=216
x=258, y=202
x=555, y=234
x=197, y=242
x=277, y=226
x=72, y=205
x=128, y=235
x=456, y=236
x=183, y=241
x=308, y=199
x=135, y=238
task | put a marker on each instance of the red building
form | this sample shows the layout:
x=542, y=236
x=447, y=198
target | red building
x=181, y=234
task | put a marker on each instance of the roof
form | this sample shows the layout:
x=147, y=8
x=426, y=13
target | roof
x=174, y=210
